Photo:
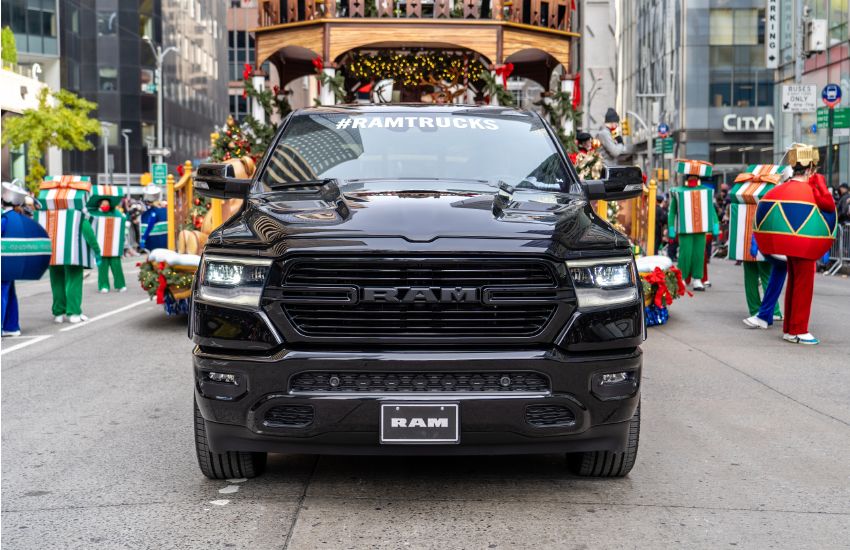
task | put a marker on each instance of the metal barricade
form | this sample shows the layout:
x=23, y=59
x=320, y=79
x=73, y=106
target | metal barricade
x=840, y=252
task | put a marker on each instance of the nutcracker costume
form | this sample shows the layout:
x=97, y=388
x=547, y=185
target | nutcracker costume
x=797, y=219
x=24, y=252
x=691, y=216
x=109, y=225
x=749, y=188
x=74, y=246
x=154, y=220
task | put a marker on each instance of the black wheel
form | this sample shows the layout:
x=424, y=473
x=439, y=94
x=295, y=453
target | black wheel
x=228, y=465
x=608, y=463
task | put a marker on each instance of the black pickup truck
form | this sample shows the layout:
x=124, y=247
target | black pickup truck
x=412, y=279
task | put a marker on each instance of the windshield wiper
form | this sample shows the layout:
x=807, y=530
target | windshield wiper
x=303, y=183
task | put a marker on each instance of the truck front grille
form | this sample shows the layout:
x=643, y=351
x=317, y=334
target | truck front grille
x=430, y=298
x=288, y=416
x=363, y=382
x=549, y=415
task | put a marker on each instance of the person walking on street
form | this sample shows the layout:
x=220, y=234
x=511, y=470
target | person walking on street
x=843, y=206
x=614, y=150
x=691, y=217
x=797, y=219
x=109, y=226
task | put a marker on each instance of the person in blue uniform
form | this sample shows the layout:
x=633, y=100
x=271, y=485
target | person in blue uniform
x=25, y=250
x=154, y=221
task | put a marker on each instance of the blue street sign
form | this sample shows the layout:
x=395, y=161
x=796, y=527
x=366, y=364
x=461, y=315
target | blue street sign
x=814, y=128
x=663, y=129
x=831, y=95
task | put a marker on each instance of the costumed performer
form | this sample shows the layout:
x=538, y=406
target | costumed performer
x=109, y=226
x=154, y=220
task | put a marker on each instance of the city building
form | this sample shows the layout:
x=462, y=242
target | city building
x=829, y=66
x=597, y=57
x=105, y=58
x=361, y=40
x=36, y=28
x=699, y=67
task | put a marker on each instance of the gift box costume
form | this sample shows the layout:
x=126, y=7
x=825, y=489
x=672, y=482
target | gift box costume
x=690, y=217
x=74, y=246
x=24, y=252
x=154, y=221
x=750, y=186
x=109, y=227
x=797, y=219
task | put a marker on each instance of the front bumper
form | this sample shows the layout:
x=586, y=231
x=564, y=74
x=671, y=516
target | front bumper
x=348, y=423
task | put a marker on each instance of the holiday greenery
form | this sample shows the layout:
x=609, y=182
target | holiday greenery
x=197, y=211
x=153, y=276
x=231, y=142
x=61, y=120
x=492, y=88
x=559, y=111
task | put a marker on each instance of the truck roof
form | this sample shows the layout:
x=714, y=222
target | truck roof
x=484, y=110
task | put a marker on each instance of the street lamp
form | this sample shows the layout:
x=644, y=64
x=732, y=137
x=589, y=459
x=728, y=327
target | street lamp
x=126, y=133
x=159, y=56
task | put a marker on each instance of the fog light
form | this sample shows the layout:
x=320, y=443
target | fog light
x=223, y=378
x=614, y=378
x=614, y=385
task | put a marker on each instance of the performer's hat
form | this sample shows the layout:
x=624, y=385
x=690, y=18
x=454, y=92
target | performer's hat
x=699, y=168
x=804, y=155
x=14, y=192
x=583, y=136
x=152, y=192
x=611, y=116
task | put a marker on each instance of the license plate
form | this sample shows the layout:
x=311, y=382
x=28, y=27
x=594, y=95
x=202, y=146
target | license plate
x=418, y=424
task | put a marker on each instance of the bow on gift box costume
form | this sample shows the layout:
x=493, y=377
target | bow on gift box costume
x=109, y=227
x=63, y=200
x=24, y=252
x=749, y=188
x=797, y=219
x=691, y=216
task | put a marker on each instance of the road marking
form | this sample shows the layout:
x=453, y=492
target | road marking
x=229, y=489
x=31, y=340
x=105, y=315
x=221, y=502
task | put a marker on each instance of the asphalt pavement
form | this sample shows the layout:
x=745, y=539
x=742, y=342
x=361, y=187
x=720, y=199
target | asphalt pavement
x=745, y=444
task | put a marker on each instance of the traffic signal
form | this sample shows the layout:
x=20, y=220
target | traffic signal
x=627, y=129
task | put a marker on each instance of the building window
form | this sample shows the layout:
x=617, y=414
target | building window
x=107, y=79
x=240, y=46
x=736, y=27
x=107, y=23
x=238, y=107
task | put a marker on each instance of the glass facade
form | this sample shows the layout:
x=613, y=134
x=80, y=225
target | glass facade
x=34, y=24
x=106, y=60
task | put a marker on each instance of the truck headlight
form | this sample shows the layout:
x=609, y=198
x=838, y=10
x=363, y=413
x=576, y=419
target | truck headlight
x=603, y=282
x=233, y=281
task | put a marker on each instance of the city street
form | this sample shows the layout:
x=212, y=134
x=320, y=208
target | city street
x=745, y=443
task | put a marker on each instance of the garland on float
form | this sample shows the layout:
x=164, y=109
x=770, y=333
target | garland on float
x=414, y=69
x=157, y=278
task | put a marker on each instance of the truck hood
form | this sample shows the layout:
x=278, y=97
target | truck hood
x=324, y=213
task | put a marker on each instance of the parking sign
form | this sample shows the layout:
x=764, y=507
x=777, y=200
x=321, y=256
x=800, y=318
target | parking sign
x=160, y=173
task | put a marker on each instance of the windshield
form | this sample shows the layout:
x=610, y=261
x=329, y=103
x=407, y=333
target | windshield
x=473, y=146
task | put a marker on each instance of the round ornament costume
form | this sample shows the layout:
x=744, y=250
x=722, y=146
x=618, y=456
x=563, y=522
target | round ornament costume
x=63, y=216
x=750, y=186
x=797, y=219
x=108, y=224
x=24, y=252
x=587, y=160
x=691, y=216
x=154, y=221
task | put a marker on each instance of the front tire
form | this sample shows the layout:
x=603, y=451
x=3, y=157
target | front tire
x=227, y=465
x=608, y=463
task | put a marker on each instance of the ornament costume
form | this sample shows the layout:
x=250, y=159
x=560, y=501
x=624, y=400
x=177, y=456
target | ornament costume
x=587, y=160
x=749, y=188
x=25, y=253
x=797, y=219
x=690, y=217
x=154, y=221
x=63, y=216
x=108, y=225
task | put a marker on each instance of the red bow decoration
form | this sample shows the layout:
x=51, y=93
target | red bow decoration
x=180, y=170
x=505, y=71
x=246, y=72
x=682, y=290
x=662, y=293
x=162, y=284
x=318, y=64
x=577, y=90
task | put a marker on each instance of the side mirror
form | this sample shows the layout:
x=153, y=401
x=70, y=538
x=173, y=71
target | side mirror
x=219, y=181
x=621, y=182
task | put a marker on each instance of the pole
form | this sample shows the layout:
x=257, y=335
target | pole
x=172, y=225
x=105, y=141
x=126, y=134
x=830, y=126
x=650, y=218
x=159, y=102
x=650, y=142
x=798, y=61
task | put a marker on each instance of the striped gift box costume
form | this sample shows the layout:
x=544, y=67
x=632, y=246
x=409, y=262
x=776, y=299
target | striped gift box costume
x=63, y=199
x=691, y=216
x=749, y=188
x=109, y=227
x=74, y=245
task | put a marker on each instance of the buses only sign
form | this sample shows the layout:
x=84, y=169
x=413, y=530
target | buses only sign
x=799, y=98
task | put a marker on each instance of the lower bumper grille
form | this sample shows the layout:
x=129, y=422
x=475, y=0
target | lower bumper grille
x=288, y=416
x=549, y=415
x=502, y=382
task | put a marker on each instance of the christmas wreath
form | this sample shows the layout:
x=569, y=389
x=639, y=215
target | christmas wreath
x=159, y=279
